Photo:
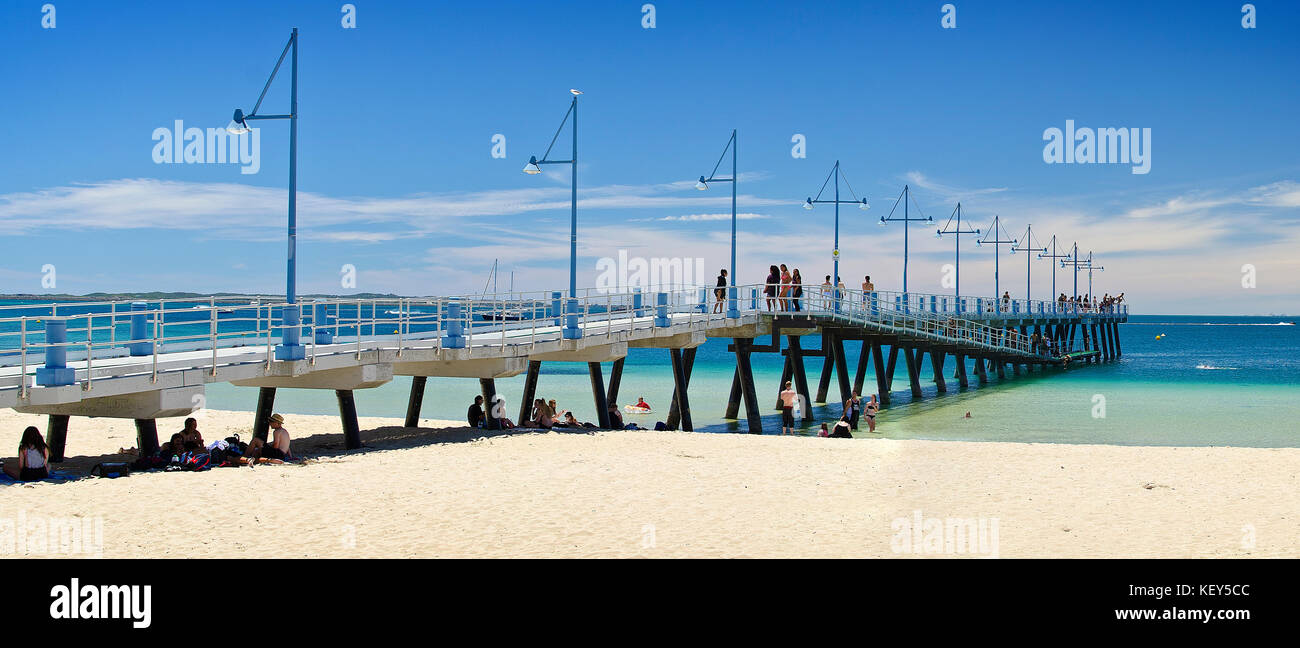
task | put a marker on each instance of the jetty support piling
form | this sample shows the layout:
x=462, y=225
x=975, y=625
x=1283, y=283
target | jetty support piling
x=348, y=416
x=56, y=436
x=265, y=407
x=733, y=401
x=746, y=373
x=682, y=364
x=530, y=392
x=598, y=395
x=615, y=380
x=828, y=365
x=416, y=401
x=937, y=359
x=841, y=369
x=146, y=436
x=911, y=358
x=800, y=375
x=962, y=381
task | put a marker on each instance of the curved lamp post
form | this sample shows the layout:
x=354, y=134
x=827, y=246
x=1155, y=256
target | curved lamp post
x=571, y=330
x=733, y=310
x=290, y=348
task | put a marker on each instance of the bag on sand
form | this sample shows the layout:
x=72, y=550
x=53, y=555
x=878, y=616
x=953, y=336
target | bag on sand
x=111, y=469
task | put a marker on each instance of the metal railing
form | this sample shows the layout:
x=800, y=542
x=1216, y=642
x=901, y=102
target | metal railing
x=118, y=337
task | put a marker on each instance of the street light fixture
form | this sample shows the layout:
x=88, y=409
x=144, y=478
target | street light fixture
x=906, y=198
x=733, y=309
x=290, y=347
x=571, y=330
x=861, y=202
x=956, y=230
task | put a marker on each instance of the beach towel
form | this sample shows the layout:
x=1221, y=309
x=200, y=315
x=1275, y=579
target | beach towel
x=56, y=477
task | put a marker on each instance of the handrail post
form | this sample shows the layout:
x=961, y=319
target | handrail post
x=56, y=372
x=454, y=337
x=661, y=310
x=139, y=330
x=571, y=330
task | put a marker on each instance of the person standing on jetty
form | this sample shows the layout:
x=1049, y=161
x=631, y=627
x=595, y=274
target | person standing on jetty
x=785, y=289
x=796, y=291
x=788, y=396
x=769, y=289
x=720, y=292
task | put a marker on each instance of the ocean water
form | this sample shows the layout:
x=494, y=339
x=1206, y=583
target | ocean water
x=1209, y=381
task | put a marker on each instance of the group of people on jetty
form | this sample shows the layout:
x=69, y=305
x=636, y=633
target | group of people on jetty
x=185, y=450
x=783, y=291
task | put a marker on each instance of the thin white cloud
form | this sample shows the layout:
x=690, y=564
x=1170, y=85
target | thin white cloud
x=713, y=217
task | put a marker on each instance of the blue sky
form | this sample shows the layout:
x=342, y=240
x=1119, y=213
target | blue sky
x=397, y=117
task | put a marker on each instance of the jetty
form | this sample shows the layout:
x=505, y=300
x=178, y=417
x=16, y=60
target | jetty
x=146, y=360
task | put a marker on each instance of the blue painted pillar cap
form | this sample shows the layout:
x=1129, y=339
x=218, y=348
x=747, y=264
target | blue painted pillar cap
x=56, y=372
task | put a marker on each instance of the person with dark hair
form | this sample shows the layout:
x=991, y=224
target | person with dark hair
x=475, y=414
x=796, y=290
x=174, y=446
x=769, y=290
x=33, y=457
x=720, y=292
x=193, y=439
x=841, y=430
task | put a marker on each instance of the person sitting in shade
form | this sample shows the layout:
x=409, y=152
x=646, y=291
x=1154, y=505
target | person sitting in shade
x=475, y=413
x=193, y=439
x=278, y=448
x=841, y=430
x=33, y=457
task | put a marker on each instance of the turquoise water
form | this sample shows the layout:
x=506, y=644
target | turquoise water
x=1209, y=381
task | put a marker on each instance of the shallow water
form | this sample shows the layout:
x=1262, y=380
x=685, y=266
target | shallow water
x=1209, y=381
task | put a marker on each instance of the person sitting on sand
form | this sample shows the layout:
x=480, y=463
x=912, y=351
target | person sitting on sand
x=277, y=449
x=823, y=432
x=174, y=447
x=193, y=439
x=557, y=414
x=841, y=430
x=33, y=457
x=475, y=414
x=615, y=416
x=570, y=421
x=543, y=417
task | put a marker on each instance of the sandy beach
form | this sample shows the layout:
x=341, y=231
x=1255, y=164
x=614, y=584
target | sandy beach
x=448, y=491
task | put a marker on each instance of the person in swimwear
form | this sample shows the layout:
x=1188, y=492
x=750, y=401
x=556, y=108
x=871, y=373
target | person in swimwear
x=788, y=395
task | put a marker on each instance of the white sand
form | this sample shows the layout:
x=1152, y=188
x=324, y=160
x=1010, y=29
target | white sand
x=427, y=493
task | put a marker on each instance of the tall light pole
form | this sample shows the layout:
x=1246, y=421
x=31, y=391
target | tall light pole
x=1054, y=255
x=571, y=330
x=861, y=203
x=906, y=197
x=733, y=310
x=1028, y=246
x=290, y=348
x=997, y=231
x=956, y=230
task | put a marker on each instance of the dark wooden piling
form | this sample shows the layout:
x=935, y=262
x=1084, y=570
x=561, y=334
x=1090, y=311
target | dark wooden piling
x=746, y=373
x=56, y=436
x=348, y=416
x=146, y=436
x=676, y=414
x=530, y=392
x=598, y=395
x=415, y=401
